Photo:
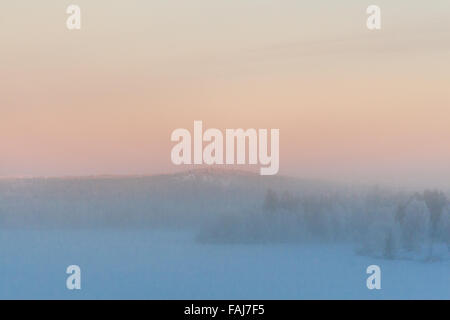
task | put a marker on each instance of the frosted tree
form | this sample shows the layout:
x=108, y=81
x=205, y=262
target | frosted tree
x=444, y=227
x=436, y=202
x=414, y=224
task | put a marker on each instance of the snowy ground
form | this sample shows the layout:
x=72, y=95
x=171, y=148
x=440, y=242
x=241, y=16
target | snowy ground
x=145, y=264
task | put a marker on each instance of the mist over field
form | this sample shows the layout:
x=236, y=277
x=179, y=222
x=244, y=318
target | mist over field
x=221, y=234
x=351, y=99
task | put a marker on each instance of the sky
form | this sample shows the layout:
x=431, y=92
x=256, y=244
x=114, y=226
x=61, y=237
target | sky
x=351, y=104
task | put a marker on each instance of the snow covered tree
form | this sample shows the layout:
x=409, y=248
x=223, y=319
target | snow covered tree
x=435, y=201
x=414, y=224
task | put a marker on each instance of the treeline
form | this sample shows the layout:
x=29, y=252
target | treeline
x=380, y=222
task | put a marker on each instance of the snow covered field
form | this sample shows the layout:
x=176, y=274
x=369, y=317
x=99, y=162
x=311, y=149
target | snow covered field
x=145, y=264
x=220, y=235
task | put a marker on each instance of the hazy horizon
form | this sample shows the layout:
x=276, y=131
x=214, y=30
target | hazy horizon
x=411, y=187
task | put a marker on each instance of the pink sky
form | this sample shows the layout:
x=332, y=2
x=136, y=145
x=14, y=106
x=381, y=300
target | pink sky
x=350, y=104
